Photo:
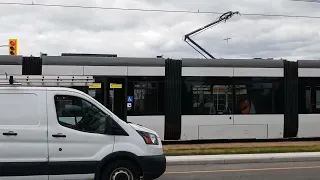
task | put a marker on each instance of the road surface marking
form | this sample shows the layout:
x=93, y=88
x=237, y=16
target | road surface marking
x=243, y=170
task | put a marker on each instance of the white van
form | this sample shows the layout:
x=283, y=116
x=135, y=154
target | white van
x=62, y=133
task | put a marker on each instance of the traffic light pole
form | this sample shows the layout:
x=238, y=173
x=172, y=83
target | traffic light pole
x=4, y=45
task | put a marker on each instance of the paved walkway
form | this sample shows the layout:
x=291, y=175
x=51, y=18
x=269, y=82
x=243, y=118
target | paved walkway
x=243, y=158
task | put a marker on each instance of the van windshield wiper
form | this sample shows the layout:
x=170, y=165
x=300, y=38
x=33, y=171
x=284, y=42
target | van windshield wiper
x=224, y=17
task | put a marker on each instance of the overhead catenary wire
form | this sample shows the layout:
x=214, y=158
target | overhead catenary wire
x=154, y=10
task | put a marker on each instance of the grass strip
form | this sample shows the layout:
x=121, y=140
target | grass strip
x=242, y=150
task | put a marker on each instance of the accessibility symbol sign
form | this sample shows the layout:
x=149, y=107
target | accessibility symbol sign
x=130, y=99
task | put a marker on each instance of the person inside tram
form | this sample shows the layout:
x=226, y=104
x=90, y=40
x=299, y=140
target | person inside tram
x=247, y=106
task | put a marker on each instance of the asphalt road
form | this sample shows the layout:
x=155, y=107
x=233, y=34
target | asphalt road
x=254, y=171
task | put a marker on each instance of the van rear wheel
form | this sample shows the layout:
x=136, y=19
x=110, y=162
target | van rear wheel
x=121, y=170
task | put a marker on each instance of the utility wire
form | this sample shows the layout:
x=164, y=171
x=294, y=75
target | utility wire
x=154, y=10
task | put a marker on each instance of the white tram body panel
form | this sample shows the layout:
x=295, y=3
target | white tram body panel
x=212, y=92
x=309, y=121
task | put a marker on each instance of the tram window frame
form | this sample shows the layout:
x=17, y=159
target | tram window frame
x=257, y=96
x=153, y=106
x=311, y=84
x=190, y=96
x=233, y=82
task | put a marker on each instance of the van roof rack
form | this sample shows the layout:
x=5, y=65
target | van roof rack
x=39, y=80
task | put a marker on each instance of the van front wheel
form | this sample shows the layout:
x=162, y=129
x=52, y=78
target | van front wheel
x=121, y=170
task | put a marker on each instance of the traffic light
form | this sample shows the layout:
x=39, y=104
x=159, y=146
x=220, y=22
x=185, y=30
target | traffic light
x=13, y=47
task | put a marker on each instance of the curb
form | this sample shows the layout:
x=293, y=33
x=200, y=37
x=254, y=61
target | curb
x=242, y=158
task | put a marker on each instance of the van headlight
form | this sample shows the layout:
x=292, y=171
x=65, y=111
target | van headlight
x=149, y=138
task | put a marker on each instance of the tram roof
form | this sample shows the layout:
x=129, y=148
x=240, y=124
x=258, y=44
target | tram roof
x=308, y=63
x=136, y=61
x=261, y=63
x=10, y=60
x=102, y=61
x=145, y=61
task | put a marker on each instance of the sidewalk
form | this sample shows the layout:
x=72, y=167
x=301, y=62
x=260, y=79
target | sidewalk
x=243, y=158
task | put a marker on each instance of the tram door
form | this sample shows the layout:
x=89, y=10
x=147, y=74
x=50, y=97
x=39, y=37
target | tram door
x=116, y=93
x=97, y=90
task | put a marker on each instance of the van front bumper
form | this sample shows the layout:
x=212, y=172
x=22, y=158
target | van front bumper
x=153, y=166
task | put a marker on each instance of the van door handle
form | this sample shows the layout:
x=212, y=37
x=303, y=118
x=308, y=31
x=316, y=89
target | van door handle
x=10, y=133
x=59, y=135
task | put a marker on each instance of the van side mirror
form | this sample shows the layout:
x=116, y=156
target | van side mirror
x=109, y=125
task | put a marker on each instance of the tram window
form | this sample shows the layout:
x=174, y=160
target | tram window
x=259, y=96
x=309, y=93
x=148, y=96
x=308, y=99
x=206, y=96
x=317, y=97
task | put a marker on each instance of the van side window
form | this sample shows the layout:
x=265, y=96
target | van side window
x=79, y=114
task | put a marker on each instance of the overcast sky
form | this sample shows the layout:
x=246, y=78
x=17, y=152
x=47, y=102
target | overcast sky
x=55, y=30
